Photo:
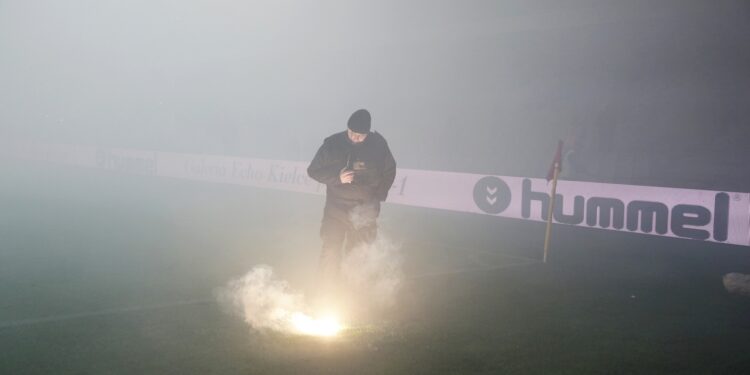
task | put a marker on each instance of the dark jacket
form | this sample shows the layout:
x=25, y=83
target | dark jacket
x=372, y=162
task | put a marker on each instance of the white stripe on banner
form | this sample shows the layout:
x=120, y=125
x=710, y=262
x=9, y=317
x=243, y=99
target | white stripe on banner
x=716, y=216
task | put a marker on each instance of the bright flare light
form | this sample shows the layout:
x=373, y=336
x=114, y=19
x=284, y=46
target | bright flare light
x=325, y=327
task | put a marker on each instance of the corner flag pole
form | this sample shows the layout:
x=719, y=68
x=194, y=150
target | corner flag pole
x=550, y=209
x=553, y=174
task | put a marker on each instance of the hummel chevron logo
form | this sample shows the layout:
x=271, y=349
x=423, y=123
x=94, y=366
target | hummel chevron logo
x=492, y=195
x=491, y=198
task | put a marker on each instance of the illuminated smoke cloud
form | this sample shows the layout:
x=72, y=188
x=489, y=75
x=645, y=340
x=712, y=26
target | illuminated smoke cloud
x=267, y=303
x=264, y=301
x=371, y=271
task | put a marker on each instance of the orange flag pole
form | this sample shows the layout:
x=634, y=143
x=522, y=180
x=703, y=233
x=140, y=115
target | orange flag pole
x=550, y=209
x=553, y=174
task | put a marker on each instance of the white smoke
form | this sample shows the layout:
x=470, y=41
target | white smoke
x=264, y=301
x=737, y=283
x=370, y=277
x=373, y=271
x=363, y=215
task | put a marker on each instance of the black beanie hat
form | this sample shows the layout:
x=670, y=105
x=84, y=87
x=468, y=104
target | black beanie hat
x=359, y=121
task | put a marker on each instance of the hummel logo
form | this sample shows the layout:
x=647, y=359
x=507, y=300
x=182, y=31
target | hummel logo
x=492, y=195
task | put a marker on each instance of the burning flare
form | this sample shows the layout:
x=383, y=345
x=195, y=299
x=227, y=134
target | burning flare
x=269, y=303
x=306, y=325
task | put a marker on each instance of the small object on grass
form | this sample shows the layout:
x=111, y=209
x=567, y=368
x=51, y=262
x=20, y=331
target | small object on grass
x=737, y=283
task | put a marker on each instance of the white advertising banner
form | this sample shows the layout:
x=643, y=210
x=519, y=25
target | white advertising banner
x=686, y=213
x=716, y=216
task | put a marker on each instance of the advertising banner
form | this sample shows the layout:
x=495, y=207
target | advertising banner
x=717, y=216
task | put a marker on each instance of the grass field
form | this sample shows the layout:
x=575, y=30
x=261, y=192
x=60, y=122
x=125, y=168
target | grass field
x=114, y=274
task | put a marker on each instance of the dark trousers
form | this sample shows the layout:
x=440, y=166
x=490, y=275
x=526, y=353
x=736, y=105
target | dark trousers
x=345, y=226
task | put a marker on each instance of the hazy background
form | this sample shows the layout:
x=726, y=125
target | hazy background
x=106, y=272
x=655, y=93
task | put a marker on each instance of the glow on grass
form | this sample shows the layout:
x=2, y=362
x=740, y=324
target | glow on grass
x=324, y=327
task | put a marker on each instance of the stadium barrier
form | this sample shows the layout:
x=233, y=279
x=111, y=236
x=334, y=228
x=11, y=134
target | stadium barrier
x=706, y=215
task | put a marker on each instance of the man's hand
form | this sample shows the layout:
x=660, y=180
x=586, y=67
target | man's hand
x=346, y=176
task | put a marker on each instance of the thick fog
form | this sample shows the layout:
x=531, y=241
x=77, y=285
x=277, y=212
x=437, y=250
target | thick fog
x=645, y=88
x=118, y=268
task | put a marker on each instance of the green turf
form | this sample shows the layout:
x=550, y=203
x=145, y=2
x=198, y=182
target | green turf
x=110, y=274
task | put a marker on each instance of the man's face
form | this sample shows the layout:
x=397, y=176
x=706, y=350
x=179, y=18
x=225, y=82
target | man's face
x=356, y=137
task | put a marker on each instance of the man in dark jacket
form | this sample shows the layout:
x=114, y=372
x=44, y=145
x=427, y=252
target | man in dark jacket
x=358, y=169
